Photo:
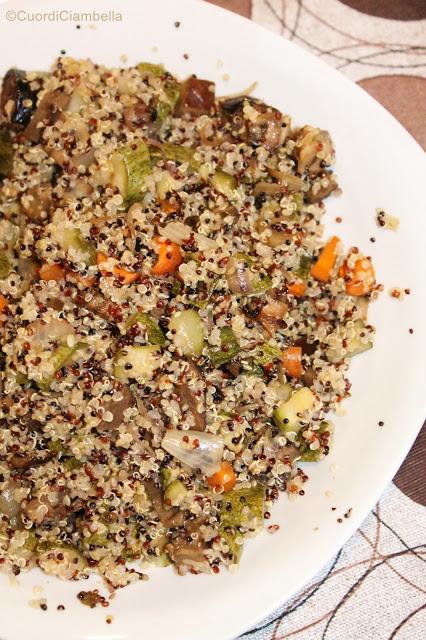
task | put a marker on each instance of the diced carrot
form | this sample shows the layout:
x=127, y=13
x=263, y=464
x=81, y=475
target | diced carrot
x=292, y=361
x=124, y=275
x=51, y=272
x=360, y=279
x=224, y=479
x=297, y=289
x=322, y=268
x=3, y=306
x=169, y=257
x=169, y=206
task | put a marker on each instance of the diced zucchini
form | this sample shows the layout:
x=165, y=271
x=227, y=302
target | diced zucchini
x=167, y=476
x=287, y=414
x=165, y=107
x=224, y=183
x=138, y=362
x=175, y=493
x=229, y=348
x=180, y=154
x=6, y=154
x=154, y=333
x=241, y=506
x=304, y=268
x=129, y=170
x=5, y=265
x=188, y=332
x=156, y=70
x=69, y=238
x=283, y=391
x=313, y=455
x=60, y=357
x=355, y=342
x=260, y=284
x=266, y=353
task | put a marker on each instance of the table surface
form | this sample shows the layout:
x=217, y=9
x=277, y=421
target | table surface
x=381, y=45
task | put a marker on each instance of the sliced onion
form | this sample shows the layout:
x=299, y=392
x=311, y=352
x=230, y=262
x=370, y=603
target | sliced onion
x=196, y=449
x=176, y=232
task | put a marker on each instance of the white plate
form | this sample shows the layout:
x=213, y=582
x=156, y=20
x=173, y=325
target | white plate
x=378, y=165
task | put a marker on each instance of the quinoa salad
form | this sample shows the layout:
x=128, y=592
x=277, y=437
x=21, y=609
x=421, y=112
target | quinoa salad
x=175, y=326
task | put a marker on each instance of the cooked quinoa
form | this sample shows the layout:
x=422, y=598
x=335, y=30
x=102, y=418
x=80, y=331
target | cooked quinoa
x=174, y=329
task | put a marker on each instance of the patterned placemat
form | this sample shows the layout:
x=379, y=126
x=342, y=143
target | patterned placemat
x=375, y=588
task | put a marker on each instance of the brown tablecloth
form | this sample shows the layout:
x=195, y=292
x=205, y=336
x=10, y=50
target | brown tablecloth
x=375, y=588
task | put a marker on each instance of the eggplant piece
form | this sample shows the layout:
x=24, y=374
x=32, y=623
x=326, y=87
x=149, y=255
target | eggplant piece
x=47, y=113
x=197, y=97
x=117, y=409
x=39, y=203
x=6, y=154
x=18, y=101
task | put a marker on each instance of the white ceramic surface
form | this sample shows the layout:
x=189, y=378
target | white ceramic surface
x=378, y=165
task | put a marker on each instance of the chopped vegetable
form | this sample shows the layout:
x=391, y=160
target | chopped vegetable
x=187, y=329
x=138, y=362
x=224, y=479
x=169, y=257
x=156, y=70
x=167, y=106
x=359, y=280
x=180, y=154
x=196, y=449
x=324, y=265
x=241, y=506
x=297, y=289
x=292, y=361
x=5, y=265
x=196, y=97
x=287, y=416
x=224, y=183
x=229, y=348
x=175, y=493
x=129, y=170
x=53, y=271
x=60, y=357
x=3, y=306
x=267, y=353
x=124, y=275
x=70, y=239
x=6, y=154
x=313, y=455
x=154, y=333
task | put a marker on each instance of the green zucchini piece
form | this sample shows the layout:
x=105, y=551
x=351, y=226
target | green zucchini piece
x=310, y=455
x=69, y=238
x=229, y=348
x=6, y=154
x=61, y=356
x=224, y=183
x=156, y=70
x=287, y=415
x=154, y=333
x=130, y=167
x=188, y=332
x=230, y=535
x=180, y=154
x=5, y=265
x=266, y=353
x=304, y=268
x=175, y=493
x=241, y=506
